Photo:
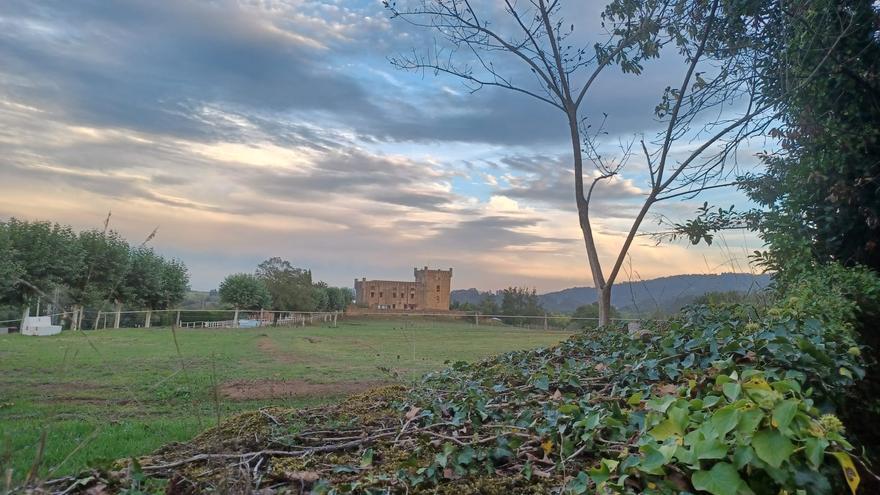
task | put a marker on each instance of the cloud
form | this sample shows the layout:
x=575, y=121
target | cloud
x=252, y=129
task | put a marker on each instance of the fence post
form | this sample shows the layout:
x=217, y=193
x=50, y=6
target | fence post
x=545, y=321
x=177, y=321
x=80, y=316
x=147, y=318
x=477, y=319
x=97, y=319
x=74, y=317
x=118, y=315
x=235, y=318
x=334, y=318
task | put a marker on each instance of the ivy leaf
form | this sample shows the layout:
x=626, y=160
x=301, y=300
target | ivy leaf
x=815, y=450
x=710, y=449
x=661, y=404
x=743, y=456
x=547, y=446
x=465, y=456
x=578, y=485
x=749, y=421
x=731, y=390
x=722, y=479
x=783, y=413
x=772, y=447
x=667, y=428
x=602, y=473
x=542, y=383
x=849, y=470
x=725, y=419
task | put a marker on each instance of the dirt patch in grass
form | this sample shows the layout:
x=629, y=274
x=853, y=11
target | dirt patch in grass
x=268, y=347
x=275, y=389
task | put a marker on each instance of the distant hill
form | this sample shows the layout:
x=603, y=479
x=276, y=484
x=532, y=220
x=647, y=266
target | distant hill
x=664, y=295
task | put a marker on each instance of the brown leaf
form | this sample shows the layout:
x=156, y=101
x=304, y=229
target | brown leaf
x=667, y=389
x=556, y=395
x=413, y=412
x=600, y=367
x=449, y=474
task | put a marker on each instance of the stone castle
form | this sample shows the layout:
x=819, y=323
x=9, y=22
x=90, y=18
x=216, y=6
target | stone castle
x=429, y=292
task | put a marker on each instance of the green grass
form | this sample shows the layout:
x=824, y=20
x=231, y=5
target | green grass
x=109, y=394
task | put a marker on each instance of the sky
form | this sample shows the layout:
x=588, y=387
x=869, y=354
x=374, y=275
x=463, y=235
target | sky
x=250, y=129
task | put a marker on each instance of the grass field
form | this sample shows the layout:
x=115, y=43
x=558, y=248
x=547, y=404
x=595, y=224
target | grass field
x=109, y=394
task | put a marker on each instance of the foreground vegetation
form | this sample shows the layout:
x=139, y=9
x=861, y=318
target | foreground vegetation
x=109, y=394
x=724, y=400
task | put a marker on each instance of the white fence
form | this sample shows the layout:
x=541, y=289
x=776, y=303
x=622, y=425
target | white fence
x=83, y=318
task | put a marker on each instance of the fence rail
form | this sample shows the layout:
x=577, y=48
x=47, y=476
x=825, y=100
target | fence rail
x=83, y=318
x=79, y=318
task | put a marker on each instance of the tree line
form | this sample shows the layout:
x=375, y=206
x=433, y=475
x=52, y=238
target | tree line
x=60, y=268
x=278, y=285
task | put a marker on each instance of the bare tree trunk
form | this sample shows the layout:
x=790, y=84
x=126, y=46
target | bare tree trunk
x=583, y=207
x=605, y=305
x=118, y=315
x=24, y=316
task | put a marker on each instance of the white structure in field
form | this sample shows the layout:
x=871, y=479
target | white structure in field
x=39, y=326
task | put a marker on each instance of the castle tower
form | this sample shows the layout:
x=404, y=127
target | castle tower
x=434, y=287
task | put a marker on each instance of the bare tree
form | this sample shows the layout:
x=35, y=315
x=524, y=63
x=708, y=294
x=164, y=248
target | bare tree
x=717, y=104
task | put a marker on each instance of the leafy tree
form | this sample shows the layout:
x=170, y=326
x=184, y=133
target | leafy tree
x=154, y=282
x=291, y=288
x=245, y=291
x=10, y=269
x=489, y=305
x=175, y=282
x=46, y=255
x=338, y=298
x=106, y=258
x=821, y=189
x=320, y=298
x=462, y=306
x=590, y=311
x=520, y=301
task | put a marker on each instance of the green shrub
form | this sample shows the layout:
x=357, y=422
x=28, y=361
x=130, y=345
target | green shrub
x=724, y=399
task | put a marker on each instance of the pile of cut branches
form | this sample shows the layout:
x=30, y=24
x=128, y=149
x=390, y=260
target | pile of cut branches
x=724, y=401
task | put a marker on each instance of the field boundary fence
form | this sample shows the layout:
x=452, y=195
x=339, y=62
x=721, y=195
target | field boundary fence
x=532, y=322
x=79, y=318
x=89, y=319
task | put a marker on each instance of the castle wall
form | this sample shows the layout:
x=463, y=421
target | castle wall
x=429, y=291
x=387, y=294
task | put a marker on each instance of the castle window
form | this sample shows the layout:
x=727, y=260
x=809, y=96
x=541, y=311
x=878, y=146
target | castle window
x=372, y=294
x=380, y=293
x=438, y=288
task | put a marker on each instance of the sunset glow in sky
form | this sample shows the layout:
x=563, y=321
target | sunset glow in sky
x=252, y=129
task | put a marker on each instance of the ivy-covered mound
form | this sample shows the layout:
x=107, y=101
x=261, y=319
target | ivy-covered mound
x=723, y=401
